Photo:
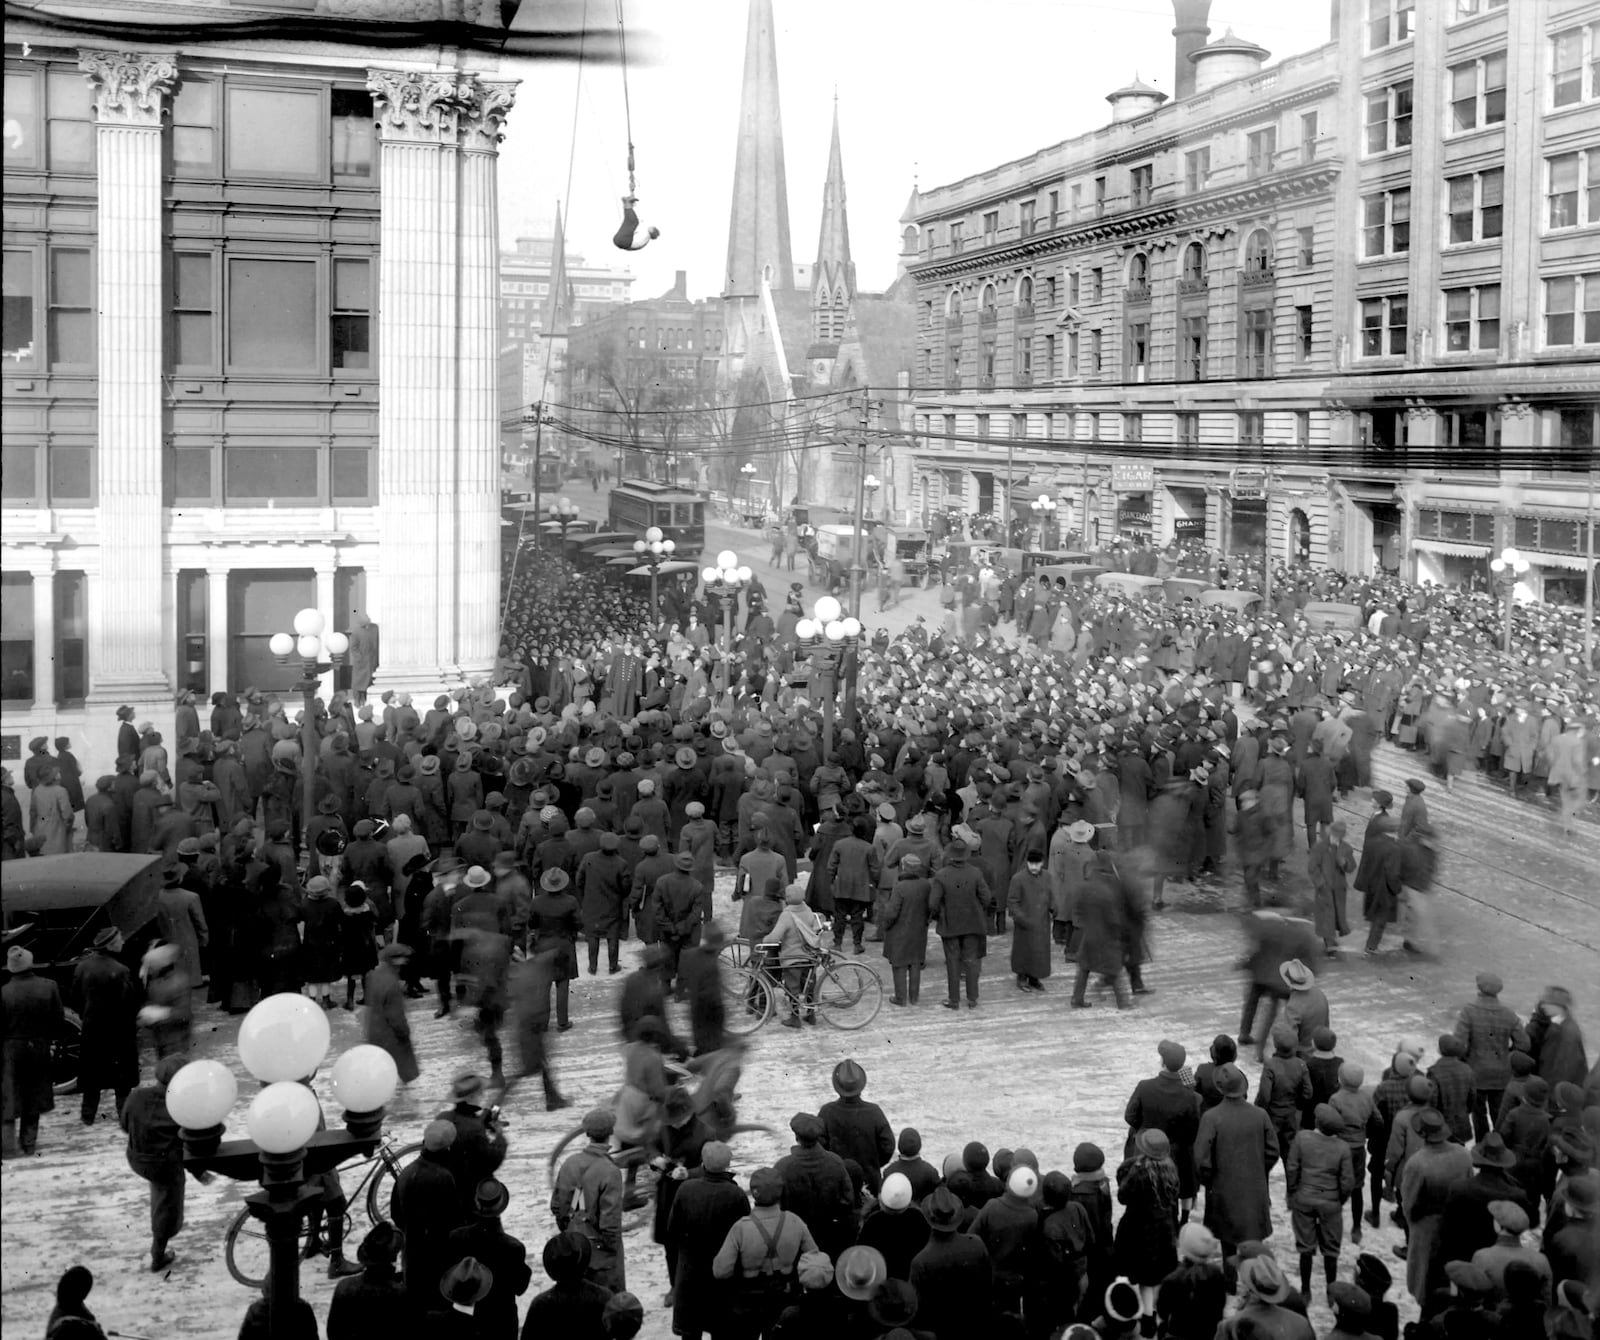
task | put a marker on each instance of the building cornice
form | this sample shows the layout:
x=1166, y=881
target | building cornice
x=1228, y=203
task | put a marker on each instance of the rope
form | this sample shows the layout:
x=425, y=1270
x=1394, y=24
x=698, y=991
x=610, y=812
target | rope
x=627, y=108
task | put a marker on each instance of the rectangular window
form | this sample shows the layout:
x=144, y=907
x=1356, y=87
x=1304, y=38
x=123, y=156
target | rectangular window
x=1096, y=351
x=1472, y=319
x=1573, y=188
x=194, y=129
x=1187, y=427
x=991, y=227
x=274, y=132
x=19, y=292
x=1055, y=209
x=1133, y=428
x=1572, y=66
x=1386, y=223
x=1307, y=239
x=1072, y=354
x=1256, y=343
x=349, y=474
x=1097, y=284
x=16, y=619
x=1303, y=328
x=1572, y=310
x=1302, y=428
x=1388, y=22
x=1138, y=349
x=350, y=327
x=272, y=317
x=1469, y=428
x=1077, y=201
x=1309, y=128
x=72, y=308
x=1050, y=370
x=1192, y=350
x=1074, y=289
x=1383, y=326
x=279, y=473
x=71, y=125
x=354, y=134
x=955, y=236
x=1252, y=427
x=1196, y=169
x=1261, y=146
x=1025, y=219
x=1141, y=185
x=1099, y=196
x=1476, y=206
x=193, y=311
x=1019, y=425
x=982, y=423
x=1478, y=92
x=1024, y=357
x=72, y=639
x=1389, y=118
x=1465, y=9
x=986, y=364
x=23, y=115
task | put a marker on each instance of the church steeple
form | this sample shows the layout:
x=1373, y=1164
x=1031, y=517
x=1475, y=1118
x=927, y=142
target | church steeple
x=758, y=224
x=833, y=283
x=558, y=302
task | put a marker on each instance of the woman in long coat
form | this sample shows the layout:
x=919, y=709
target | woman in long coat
x=1330, y=862
x=385, y=1022
x=51, y=811
x=819, y=890
x=320, y=942
x=905, y=929
x=1028, y=901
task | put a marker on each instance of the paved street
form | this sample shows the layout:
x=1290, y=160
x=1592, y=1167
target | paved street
x=1516, y=897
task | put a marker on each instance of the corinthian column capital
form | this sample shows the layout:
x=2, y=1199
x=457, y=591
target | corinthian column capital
x=417, y=105
x=130, y=87
x=487, y=103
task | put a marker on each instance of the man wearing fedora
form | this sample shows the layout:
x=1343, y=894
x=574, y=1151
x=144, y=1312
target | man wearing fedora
x=34, y=1018
x=1490, y=1031
x=1235, y=1150
x=1425, y=1184
x=480, y=1144
x=374, y=1302
x=854, y=1128
x=952, y=1275
x=483, y=1238
x=107, y=1000
x=463, y=1287
x=677, y=915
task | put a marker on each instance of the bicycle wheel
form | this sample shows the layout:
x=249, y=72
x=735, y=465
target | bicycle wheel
x=736, y=952
x=246, y=1250
x=391, y=1162
x=746, y=999
x=849, y=995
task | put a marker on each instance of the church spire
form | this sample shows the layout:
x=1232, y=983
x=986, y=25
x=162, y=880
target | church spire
x=758, y=224
x=558, y=302
x=833, y=283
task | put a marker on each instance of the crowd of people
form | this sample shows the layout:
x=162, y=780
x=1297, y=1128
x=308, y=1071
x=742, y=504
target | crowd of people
x=1049, y=783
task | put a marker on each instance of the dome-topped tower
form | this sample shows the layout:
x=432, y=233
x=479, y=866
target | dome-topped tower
x=1134, y=100
x=1226, y=59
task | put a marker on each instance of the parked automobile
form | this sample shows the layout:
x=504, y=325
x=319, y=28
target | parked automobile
x=1321, y=614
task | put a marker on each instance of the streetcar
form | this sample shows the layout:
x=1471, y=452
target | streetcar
x=638, y=504
x=552, y=471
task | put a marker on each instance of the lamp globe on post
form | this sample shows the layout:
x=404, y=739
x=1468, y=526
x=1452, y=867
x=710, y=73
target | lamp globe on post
x=309, y=623
x=284, y=1037
x=827, y=609
x=199, y=1099
x=281, y=645
x=364, y=1080
x=282, y=1118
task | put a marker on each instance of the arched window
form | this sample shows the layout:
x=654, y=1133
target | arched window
x=1258, y=253
x=908, y=240
x=630, y=337
x=952, y=304
x=1299, y=538
x=1025, y=290
x=986, y=304
x=1194, y=263
x=1138, y=270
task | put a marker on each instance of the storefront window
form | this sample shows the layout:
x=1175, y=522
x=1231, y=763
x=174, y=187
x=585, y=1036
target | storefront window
x=16, y=638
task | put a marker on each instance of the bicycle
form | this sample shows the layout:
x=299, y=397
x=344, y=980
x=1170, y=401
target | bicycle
x=844, y=993
x=246, y=1249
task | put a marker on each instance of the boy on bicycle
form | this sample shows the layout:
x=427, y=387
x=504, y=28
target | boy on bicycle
x=798, y=934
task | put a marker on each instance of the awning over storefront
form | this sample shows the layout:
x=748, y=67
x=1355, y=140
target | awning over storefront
x=1452, y=548
x=1577, y=562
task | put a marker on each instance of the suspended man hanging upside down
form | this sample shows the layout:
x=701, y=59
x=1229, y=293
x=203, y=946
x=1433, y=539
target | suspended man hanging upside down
x=633, y=235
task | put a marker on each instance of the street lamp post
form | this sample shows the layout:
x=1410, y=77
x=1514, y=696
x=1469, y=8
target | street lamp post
x=1044, y=508
x=823, y=638
x=872, y=484
x=653, y=551
x=563, y=511
x=308, y=642
x=723, y=583
x=748, y=472
x=1508, y=570
x=282, y=1041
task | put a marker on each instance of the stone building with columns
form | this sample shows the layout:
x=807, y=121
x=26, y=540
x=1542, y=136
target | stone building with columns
x=250, y=366
x=1333, y=308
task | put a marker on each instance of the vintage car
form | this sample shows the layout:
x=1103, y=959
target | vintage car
x=1181, y=589
x=1034, y=559
x=1131, y=585
x=56, y=905
x=1240, y=602
x=914, y=551
x=1322, y=614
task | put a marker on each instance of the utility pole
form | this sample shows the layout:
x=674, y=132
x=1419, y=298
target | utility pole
x=538, y=474
x=852, y=654
x=1266, y=541
x=1588, y=589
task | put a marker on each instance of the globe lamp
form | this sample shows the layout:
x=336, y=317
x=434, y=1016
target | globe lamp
x=201, y=1095
x=364, y=1079
x=283, y=1117
x=285, y=1037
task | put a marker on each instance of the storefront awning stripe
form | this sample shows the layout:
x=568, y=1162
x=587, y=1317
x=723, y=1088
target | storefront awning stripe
x=1577, y=562
x=1452, y=548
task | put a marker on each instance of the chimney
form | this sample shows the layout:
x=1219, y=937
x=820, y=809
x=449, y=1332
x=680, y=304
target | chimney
x=1191, y=32
x=680, y=283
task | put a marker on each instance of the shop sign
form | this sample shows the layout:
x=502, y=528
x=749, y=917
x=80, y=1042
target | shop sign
x=1189, y=528
x=1134, y=516
x=1132, y=477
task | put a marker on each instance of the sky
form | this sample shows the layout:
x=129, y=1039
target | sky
x=929, y=91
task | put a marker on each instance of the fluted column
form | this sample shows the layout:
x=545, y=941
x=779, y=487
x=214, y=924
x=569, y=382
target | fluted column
x=417, y=368
x=129, y=646
x=477, y=513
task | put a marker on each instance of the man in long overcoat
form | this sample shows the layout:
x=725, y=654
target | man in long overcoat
x=708, y=1204
x=853, y=871
x=1378, y=878
x=385, y=1021
x=1101, y=916
x=107, y=999
x=425, y=1206
x=905, y=929
x=961, y=903
x=602, y=893
x=1425, y=1183
x=31, y=1018
x=1028, y=901
x=1167, y=1104
x=182, y=922
x=1235, y=1150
